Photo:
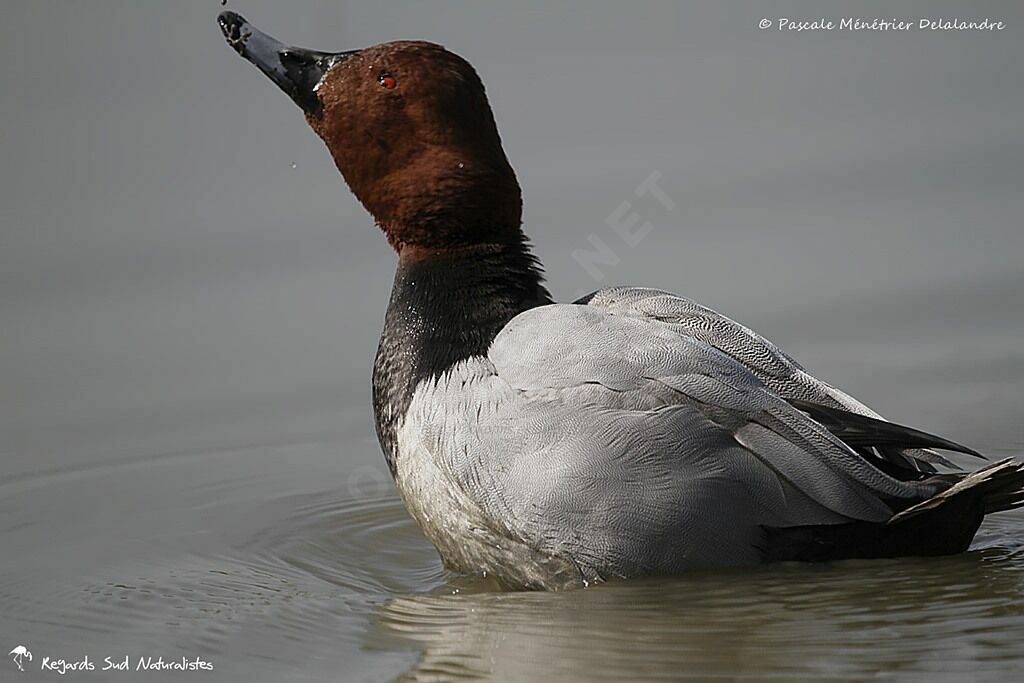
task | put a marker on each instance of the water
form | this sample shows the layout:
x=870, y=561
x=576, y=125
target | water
x=259, y=562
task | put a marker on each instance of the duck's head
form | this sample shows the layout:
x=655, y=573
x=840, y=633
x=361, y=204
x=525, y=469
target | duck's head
x=410, y=129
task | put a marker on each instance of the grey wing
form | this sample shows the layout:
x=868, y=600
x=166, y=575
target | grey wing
x=779, y=372
x=631, y=448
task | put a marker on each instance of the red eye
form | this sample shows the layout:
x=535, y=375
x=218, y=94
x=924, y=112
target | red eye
x=388, y=81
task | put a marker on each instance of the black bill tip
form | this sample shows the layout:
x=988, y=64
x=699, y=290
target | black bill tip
x=232, y=25
x=295, y=70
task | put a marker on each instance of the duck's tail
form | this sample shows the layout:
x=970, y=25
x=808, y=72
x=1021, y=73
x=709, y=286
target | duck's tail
x=998, y=487
x=944, y=524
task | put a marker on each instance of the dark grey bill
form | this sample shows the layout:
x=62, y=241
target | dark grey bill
x=296, y=70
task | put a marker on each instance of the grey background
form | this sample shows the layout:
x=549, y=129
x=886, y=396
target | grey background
x=182, y=268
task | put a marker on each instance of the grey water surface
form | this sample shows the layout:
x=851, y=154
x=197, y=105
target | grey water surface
x=190, y=300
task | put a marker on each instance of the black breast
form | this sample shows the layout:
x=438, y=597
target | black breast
x=443, y=309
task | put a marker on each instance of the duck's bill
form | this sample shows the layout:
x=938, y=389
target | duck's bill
x=295, y=70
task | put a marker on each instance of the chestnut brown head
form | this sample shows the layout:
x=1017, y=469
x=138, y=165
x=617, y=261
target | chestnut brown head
x=410, y=129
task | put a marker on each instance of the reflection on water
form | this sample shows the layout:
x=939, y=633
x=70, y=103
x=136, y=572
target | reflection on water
x=855, y=619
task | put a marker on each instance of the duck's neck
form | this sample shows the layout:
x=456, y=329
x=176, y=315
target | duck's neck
x=446, y=306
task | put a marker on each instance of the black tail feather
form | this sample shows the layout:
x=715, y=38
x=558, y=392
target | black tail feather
x=993, y=483
x=944, y=524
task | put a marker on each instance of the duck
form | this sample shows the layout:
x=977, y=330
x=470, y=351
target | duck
x=630, y=433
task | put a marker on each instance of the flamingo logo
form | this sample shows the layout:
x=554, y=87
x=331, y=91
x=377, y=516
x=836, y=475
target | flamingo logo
x=19, y=654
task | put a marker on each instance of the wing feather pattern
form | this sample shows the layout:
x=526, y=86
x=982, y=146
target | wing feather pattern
x=780, y=372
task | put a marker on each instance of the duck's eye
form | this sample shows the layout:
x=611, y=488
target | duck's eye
x=388, y=81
